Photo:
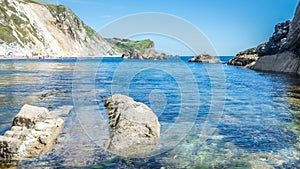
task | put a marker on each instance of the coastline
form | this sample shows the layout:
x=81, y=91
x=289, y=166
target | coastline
x=53, y=57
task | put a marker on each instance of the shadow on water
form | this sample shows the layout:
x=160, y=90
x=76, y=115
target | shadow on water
x=261, y=124
x=258, y=138
x=293, y=98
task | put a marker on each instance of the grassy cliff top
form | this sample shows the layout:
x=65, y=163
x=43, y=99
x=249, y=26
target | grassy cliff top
x=124, y=45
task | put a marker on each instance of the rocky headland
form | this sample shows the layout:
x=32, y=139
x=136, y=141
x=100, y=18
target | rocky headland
x=205, y=58
x=31, y=28
x=280, y=54
x=245, y=58
x=141, y=50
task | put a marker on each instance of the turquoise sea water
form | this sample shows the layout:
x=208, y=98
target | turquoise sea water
x=211, y=115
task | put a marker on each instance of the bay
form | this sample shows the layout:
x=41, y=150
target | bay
x=211, y=115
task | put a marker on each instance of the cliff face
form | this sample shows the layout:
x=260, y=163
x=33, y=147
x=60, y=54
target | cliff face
x=274, y=45
x=35, y=28
x=281, y=53
x=293, y=38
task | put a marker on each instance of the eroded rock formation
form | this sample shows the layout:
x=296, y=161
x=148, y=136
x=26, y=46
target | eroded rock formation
x=245, y=58
x=281, y=53
x=134, y=128
x=205, y=58
x=33, y=132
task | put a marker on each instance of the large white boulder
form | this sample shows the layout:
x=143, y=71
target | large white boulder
x=30, y=115
x=33, y=132
x=134, y=128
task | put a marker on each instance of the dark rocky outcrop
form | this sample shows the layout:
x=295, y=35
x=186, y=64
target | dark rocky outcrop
x=282, y=62
x=33, y=132
x=281, y=53
x=248, y=57
x=277, y=41
x=134, y=128
x=244, y=58
x=293, y=39
x=205, y=58
x=275, y=44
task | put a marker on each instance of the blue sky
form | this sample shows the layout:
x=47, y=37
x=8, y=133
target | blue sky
x=230, y=25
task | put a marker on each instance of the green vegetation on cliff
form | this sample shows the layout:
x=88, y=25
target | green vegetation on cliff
x=124, y=45
x=6, y=32
x=60, y=9
x=13, y=23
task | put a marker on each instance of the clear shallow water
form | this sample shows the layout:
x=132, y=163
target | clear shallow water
x=257, y=128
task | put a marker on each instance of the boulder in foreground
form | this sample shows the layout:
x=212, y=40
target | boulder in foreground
x=205, y=58
x=33, y=132
x=134, y=128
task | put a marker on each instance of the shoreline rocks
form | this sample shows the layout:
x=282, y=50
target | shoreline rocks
x=134, y=128
x=280, y=54
x=286, y=62
x=244, y=58
x=33, y=132
x=205, y=58
x=249, y=57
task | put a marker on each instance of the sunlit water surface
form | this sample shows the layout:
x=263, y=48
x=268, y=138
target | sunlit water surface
x=231, y=117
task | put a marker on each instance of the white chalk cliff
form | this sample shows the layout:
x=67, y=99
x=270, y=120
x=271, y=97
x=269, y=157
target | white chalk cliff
x=36, y=28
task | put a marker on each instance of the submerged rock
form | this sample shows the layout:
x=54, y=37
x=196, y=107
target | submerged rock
x=134, y=128
x=33, y=132
x=205, y=58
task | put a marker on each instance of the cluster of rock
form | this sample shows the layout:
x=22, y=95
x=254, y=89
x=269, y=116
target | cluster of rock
x=33, y=132
x=205, y=58
x=134, y=128
x=147, y=54
x=249, y=57
x=281, y=53
x=245, y=58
